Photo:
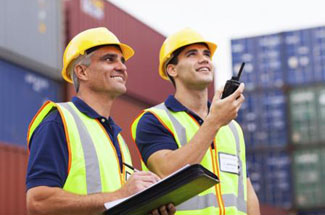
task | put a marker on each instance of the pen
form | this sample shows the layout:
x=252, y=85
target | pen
x=131, y=167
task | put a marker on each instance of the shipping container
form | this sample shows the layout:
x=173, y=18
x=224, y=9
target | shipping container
x=22, y=92
x=263, y=119
x=243, y=50
x=248, y=118
x=269, y=57
x=124, y=111
x=298, y=55
x=311, y=212
x=318, y=52
x=31, y=34
x=269, y=172
x=273, y=117
x=303, y=115
x=13, y=164
x=308, y=172
x=321, y=113
x=271, y=210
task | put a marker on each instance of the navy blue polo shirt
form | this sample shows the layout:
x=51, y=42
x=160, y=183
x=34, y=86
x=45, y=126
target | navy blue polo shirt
x=48, y=159
x=149, y=129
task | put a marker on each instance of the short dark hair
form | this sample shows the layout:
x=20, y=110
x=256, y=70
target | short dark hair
x=174, y=61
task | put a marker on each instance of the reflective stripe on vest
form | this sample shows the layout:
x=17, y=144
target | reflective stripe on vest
x=241, y=203
x=93, y=179
x=209, y=200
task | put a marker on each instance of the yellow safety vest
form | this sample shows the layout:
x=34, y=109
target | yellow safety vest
x=230, y=196
x=93, y=161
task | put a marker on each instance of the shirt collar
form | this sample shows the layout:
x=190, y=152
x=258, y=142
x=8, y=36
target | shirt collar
x=173, y=104
x=83, y=107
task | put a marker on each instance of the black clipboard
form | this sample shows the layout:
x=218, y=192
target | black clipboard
x=176, y=189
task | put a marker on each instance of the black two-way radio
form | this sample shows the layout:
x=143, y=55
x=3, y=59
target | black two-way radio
x=233, y=83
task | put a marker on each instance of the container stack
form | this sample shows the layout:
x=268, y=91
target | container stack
x=30, y=57
x=283, y=116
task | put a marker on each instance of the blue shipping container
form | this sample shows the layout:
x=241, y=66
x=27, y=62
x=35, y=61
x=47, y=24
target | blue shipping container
x=273, y=117
x=270, y=175
x=248, y=119
x=298, y=52
x=22, y=92
x=263, y=118
x=269, y=60
x=243, y=50
x=318, y=52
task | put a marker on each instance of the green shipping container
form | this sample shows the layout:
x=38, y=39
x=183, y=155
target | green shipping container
x=303, y=116
x=321, y=114
x=308, y=173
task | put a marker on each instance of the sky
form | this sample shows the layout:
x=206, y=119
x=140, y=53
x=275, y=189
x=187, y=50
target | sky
x=221, y=21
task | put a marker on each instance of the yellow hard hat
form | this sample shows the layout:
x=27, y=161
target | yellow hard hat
x=88, y=39
x=175, y=41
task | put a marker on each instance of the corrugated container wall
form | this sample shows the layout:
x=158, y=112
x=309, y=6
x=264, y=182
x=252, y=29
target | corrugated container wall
x=31, y=34
x=263, y=58
x=13, y=164
x=270, y=175
x=318, y=52
x=263, y=119
x=124, y=111
x=308, y=169
x=303, y=115
x=269, y=61
x=22, y=92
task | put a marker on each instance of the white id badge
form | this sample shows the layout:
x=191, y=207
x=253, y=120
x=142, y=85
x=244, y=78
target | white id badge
x=229, y=163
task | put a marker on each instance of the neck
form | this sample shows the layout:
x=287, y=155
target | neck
x=102, y=104
x=195, y=100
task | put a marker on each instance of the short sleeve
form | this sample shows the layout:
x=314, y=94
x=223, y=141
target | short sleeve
x=152, y=136
x=48, y=158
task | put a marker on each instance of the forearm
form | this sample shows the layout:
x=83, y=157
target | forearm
x=165, y=162
x=49, y=200
x=253, y=206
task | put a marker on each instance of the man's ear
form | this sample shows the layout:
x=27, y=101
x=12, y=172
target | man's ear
x=171, y=70
x=81, y=72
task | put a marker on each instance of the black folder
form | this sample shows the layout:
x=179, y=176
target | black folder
x=179, y=187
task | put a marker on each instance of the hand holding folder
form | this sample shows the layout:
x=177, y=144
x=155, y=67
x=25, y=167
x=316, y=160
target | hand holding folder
x=176, y=188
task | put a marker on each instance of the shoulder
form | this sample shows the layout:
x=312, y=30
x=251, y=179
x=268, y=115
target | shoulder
x=50, y=127
x=149, y=122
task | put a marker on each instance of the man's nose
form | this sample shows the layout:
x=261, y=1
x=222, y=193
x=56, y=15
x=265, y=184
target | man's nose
x=121, y=66
x=204, y=58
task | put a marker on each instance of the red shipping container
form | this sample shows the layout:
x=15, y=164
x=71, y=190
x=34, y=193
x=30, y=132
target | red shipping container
x=124, y=111
x=13, y=164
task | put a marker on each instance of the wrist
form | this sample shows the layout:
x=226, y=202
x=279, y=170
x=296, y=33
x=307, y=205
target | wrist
x=212, y=123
